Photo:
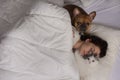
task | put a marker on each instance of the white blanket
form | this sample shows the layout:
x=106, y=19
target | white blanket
x=40, y=48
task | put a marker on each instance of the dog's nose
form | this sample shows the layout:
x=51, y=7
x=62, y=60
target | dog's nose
x=83, y=28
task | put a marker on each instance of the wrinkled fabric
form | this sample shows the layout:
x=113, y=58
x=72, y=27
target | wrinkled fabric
x=40, y=48
x=108, y=12
x=11, y=11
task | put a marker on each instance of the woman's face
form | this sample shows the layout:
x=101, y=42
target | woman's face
x=87, y=47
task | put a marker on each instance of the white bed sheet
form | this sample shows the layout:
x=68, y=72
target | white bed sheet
x=115, y=74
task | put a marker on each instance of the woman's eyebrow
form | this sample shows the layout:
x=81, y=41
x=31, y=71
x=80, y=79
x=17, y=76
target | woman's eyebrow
x=93, y=49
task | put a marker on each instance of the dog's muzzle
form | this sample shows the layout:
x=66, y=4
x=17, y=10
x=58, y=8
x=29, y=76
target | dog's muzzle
x=83, y=29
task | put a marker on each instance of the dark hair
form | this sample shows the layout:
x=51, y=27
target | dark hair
x=102, y=44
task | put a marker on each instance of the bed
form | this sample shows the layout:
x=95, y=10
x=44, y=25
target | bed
x=43, y=52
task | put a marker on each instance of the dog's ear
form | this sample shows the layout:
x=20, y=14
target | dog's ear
x=76, y=12
x=92, y=15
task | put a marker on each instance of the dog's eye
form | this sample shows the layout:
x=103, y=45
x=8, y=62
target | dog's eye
x=78, y=23
x=88, y=23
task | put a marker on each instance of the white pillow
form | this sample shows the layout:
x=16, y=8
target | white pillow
x=101, y=70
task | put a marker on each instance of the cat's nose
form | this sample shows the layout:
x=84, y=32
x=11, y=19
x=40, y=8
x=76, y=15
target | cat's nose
x=93, y=60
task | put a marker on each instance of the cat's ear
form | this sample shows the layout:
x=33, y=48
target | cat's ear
x=92, y=15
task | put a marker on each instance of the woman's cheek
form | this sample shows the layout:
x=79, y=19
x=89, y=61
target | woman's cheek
x=81, y=51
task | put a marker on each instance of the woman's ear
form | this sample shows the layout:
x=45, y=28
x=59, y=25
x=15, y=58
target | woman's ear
x=87, y=40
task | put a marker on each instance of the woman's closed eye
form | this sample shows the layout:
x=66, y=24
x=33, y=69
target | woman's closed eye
x=92, y=49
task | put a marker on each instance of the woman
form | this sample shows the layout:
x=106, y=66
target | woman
x=91, y=43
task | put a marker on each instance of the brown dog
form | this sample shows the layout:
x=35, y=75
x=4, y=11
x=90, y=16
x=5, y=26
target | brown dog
x=79, y=18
